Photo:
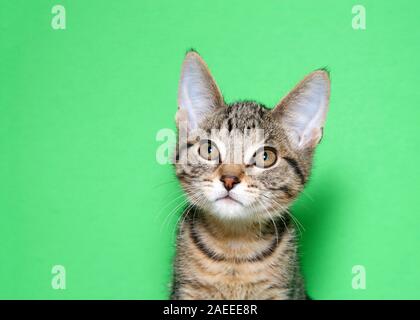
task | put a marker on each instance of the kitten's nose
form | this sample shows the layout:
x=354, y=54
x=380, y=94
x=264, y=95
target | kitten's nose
x=229, y=181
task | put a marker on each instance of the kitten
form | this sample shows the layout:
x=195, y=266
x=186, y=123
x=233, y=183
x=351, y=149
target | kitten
x=241, y=165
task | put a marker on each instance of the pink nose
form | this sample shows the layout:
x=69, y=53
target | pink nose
x=229, y=181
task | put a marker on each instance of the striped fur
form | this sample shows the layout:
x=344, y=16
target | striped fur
x=215, y=263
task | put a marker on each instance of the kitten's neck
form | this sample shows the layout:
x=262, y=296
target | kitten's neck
x=236, y=240
x=241, y=228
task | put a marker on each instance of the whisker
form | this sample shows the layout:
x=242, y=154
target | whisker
x=271, y=218
x=164, y=184
x=298, y=224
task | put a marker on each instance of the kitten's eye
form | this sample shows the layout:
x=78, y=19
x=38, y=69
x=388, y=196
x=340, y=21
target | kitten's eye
x=208, y=150
x=265, y=157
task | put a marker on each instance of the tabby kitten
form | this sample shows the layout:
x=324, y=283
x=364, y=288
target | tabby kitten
x=241, y=165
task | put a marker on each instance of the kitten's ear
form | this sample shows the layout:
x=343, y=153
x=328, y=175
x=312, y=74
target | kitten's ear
x=303, y=111
x=198, y=93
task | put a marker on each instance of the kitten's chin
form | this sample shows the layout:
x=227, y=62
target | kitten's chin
x=228, y=208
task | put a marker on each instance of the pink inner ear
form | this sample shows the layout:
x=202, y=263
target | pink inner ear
x=312, y=139
x=303, y=111
x=197, y=92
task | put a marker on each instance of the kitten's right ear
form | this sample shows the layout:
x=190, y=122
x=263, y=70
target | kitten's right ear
x=198, y=93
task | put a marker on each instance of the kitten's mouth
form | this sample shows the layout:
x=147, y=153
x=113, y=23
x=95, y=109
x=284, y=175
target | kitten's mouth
x=228, y=198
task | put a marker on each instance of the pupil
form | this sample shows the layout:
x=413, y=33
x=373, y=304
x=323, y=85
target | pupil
x=265, y=156
x=209, y=149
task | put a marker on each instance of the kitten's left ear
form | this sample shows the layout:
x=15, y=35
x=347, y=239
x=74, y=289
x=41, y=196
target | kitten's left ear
x=303, y=111
x=198, y=93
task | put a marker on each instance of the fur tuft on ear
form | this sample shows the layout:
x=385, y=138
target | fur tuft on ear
x=303, y=111
x=198, y=93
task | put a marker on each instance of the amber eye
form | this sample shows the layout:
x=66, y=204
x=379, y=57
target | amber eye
x=265, y=157
x=208, y=150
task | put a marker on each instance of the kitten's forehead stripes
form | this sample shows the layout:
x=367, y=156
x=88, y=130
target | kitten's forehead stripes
x=239, y=115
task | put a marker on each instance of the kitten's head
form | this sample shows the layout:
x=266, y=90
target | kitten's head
x=243, y=160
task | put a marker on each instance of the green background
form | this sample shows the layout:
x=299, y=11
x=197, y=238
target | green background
x=80, y=109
